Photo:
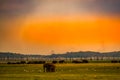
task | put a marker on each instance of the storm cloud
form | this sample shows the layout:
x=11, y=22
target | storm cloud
x=78, y=6
x=20, y=7
x=11, y=8
x=107, y=6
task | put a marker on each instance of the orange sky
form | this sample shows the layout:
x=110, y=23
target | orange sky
x=41, y=26
x=75, y=31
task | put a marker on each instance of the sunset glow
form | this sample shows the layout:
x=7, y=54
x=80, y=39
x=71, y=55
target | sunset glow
x=52, y=25
x=73, y=32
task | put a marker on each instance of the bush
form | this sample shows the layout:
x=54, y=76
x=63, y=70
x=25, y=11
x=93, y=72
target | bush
x=61, y=61
x=54, y=62
x=114, y=61
x=23, y=62
x=85, y=61
x=36, y=62
x=76, y=61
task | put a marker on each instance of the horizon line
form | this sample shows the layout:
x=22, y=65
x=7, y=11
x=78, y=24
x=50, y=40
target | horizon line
x=58, y=53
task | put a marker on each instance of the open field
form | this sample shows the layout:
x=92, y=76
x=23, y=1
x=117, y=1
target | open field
x=88, y=71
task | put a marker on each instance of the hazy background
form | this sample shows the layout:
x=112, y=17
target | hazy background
x=44, y=26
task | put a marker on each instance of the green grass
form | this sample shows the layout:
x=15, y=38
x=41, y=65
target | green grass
x=100, y=61
x=90, y=71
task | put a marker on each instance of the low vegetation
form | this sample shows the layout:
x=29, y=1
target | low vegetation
x=65, y=71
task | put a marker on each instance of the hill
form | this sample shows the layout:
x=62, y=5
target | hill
x=65, y=55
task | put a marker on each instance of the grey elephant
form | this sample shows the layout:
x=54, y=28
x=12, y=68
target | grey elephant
x=49, y=67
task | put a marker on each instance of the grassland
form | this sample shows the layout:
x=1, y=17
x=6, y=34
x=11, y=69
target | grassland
x=88, y=71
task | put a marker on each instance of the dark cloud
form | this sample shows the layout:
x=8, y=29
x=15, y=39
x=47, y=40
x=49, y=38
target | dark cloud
x=100, y=6
x=107, y=6
x=15, y=7
x=21, y=7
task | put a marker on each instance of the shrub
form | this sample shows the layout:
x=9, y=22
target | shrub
x=61, y=61
x=76, y=61
x=54, y=62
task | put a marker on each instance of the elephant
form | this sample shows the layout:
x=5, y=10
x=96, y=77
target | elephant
x=49, y=67
x=61, y=61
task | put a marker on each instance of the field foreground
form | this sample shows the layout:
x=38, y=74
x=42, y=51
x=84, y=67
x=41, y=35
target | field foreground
x=89, y=71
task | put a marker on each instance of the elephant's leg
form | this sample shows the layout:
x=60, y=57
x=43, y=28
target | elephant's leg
x=47, y=69
x=53, y=69
x=44, y=67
